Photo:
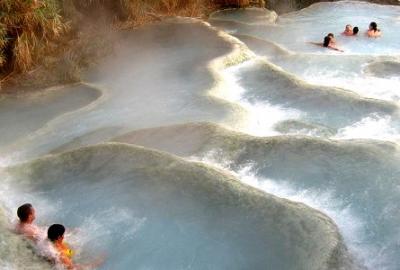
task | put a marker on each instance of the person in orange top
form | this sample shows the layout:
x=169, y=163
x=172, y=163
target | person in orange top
x=64, y=254
x=55, y=234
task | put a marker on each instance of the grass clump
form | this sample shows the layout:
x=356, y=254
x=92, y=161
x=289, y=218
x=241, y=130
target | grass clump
x=138, y=12
x=27, y=27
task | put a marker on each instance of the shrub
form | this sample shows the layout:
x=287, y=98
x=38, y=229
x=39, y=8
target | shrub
x=26, y=29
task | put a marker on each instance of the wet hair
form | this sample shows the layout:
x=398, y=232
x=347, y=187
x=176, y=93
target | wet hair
x=355, y=30
x=55, y=231
x=327, y=40
x=331, y=35
x=374, y=26
x=24, y=211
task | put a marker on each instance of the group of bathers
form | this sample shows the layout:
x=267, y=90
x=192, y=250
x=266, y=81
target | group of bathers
x=330, y=42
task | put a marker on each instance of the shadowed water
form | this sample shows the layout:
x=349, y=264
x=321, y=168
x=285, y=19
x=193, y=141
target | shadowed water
x=21, y=115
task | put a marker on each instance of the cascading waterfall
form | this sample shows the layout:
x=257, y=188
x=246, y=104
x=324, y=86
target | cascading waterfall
x=227, y=144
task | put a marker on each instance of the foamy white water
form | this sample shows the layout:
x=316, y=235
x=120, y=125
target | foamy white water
x=371, y=127
x=352, y=227
x=261, y=117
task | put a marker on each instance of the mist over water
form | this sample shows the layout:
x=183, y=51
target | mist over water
x=227, y=144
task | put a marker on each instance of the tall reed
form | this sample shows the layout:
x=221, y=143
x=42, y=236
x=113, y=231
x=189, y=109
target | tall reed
x=26, y=29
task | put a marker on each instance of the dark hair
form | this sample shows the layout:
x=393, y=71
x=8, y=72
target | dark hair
x=55, y=231
x=24, y=211
x=331, y=35
x=374, y=26
x=355, y=30
x=327, y=40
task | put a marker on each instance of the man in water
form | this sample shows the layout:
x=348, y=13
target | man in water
x=25, y=226
x=58, y=252
x=373, y=30
x=355, y=31
x=348, y=31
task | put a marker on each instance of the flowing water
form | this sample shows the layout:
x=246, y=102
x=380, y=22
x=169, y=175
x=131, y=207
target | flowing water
x=227, y=144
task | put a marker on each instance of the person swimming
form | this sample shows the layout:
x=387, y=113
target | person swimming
x=329, y=42
x=25, y=226
x=348, y=31
x=355, y=31
x=56, y=251
x=332, y=36
x=373, y=30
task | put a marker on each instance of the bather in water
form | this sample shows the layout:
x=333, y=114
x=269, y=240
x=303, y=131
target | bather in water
x=25, y=226
x=348, y=31
x=58, y=252
x=329, y=42
x=373, y=30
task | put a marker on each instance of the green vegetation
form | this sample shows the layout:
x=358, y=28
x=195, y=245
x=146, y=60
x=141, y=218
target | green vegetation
x=27, y=29
x=141, y=11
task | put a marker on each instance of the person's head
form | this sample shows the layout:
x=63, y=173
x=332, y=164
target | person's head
x=355, y=30
x=327, y=41
x=56, y=232
x=373, y=26
x=26, y=213
x=348, y=28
